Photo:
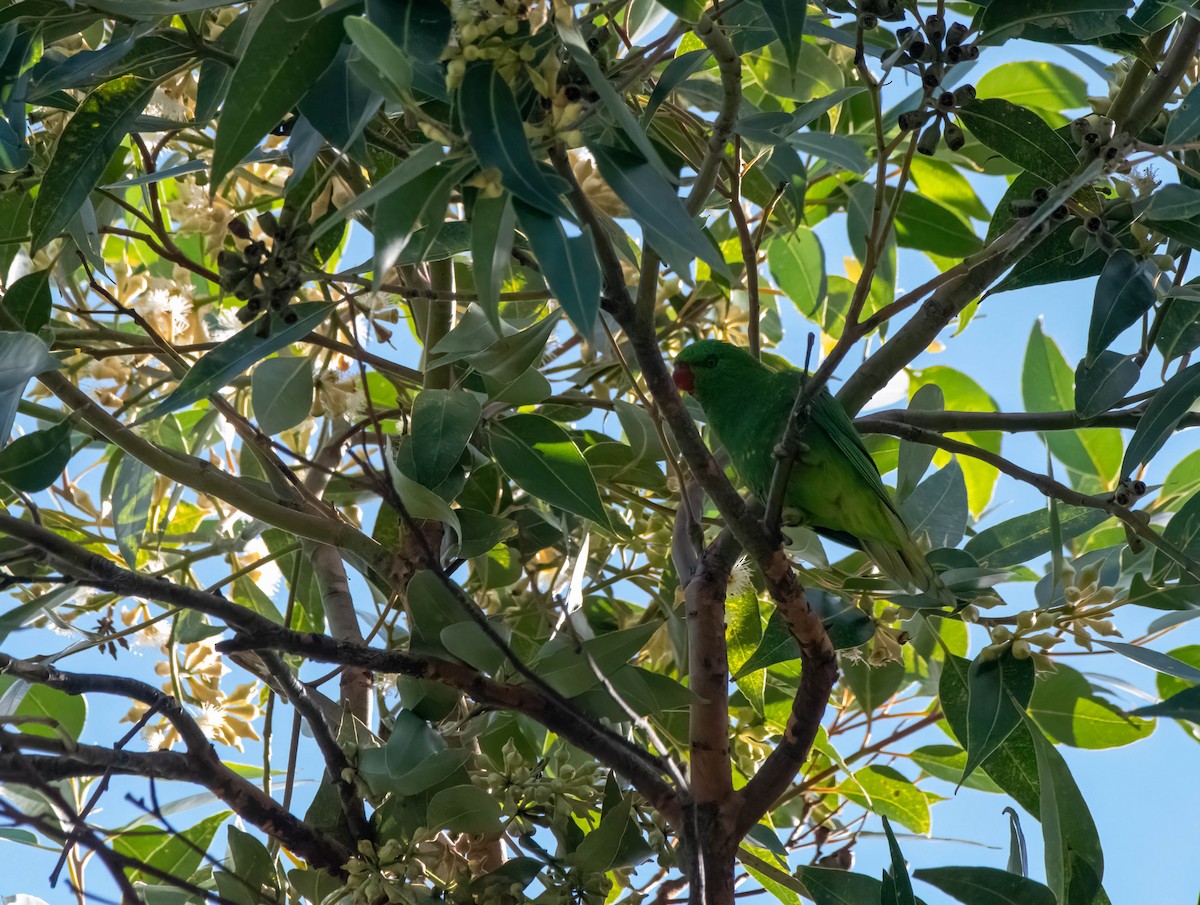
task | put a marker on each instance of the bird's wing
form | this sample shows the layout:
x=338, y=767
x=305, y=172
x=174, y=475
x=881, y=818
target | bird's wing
x=828, y=412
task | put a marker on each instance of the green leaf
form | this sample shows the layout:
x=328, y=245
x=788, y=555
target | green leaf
x=1174, y=202
x=926, y=225
x=1053, y=260
x=986, y=886
x=1043, y=86
x=1163, y=414
x=998, y=690
x=464, y=809
x=1021, y=136
x=889, y=793
x=829, y=886
x=871, y=685
x=1183, y=534
x=568, y=263
x=1074, y=860
x=1179, y=325
x=1025, y=537
x=1161, y=662
x=572, y=672
x=418, y=500
x=94, y=132
x=657, y=207
x=542, y=460
x=615, y=844
x=133, y=487
x=249, y=861
x=787, y=18
x=234, y=356
x=835, y=149
x=937, y=509
x=1185, y=120
x=493, y=222
x=938, y=179
x=1047, y=385
x=33, y=462
x=442, y=423
x=1184, y=705
x=421, y=201
x=1005, y=19
x=281, y=392
x=898, y=875
x=1013, y=765
x=29, y=300
x=68, y=712
x=915, y=458
x=496, y=133
x=1105, y=382
x=291, y=48
x=946, y=762
x=1124, y=292
x=382, y=53
x=743, y=637
x=175, y=854
x=797, y=265
x=1068, y=710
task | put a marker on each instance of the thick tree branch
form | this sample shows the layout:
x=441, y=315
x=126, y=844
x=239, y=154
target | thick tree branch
x=249, y=801
x=1179, y=58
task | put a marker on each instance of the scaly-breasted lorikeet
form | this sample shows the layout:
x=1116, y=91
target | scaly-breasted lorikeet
x=834, y=486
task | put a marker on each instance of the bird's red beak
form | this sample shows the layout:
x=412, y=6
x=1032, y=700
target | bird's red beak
x=683, y=378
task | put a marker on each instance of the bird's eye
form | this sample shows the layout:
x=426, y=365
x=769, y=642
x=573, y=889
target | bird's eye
x=709, y=362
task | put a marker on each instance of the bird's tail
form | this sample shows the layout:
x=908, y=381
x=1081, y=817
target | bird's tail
x=908, y=566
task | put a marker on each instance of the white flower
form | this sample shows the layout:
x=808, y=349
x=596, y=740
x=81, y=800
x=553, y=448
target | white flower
x=167, y=310
x=156, y=738
x=211, y=719
x=266, y=575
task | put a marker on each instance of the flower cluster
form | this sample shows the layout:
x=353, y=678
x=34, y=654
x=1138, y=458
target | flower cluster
x=547, y=794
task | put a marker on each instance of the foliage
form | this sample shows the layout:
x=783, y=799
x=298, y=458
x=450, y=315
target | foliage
x=334, y=346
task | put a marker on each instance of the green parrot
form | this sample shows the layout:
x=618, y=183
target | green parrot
x=834, y=488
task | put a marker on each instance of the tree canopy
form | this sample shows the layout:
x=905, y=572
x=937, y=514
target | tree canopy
x=335, y=377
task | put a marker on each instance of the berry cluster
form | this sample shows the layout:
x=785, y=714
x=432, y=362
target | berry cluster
x=262, y=275
x=934, y=48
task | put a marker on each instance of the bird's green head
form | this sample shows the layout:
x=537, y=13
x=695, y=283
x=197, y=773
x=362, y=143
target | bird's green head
x=711, y=363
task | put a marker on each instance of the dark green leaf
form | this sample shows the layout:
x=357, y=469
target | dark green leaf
x=1013, y=766
x=787, y=18
x=543, y=461
x=1163, y=414
x=1185, y=121
x=1161, y=662
x=658, y=208
x=292, y=46
x=1174, y=202
x=835, y=149
x=998, y=690
x=1124, y=292
x=423, y=200
x=924, y=224
x=937, y=509
x=442, y=423
x=464, y=809
x=828, y=886
x=492, y=232
x=1179, y=326
x=1027, y=536
x=1085, y=19
x=902, y=883
x=1053, y=260
x=133, y=486
x=1182, y=706
x=1183, y=534
x=986, y=886
x=496, y=134
x=1021, y=136
x=573, y=672
x=281, y=392
x=889, y=793
x=1074, y=860
x=29, y=300
x=677, y=72
x=946, y=762
x=421, y=29
x=1105, y=382
x=616, y=843
x=83, y=150
x=915, y=458
x=33, y=462
x=567, y=262
x=232, y=357
x=339, y=105
x=872, y=685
